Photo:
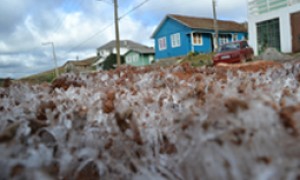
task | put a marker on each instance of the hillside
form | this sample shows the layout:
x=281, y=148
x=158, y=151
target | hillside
x=48, y=76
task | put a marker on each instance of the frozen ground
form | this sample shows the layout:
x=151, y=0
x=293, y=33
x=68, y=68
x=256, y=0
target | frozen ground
x=226, y=122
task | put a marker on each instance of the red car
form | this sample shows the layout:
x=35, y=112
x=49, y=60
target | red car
x=233, y=52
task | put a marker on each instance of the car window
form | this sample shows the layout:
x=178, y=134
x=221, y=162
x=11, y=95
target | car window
x=229, y=47
x=244, y=44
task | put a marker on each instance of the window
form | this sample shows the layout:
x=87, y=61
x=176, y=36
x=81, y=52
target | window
x=175, y=40
x=229, y=47
x=162, y=43
x=197, y=39
x=135, y=58
x=223, y=39
x=132, y=58
x=128, y=59
x=234, y=37
x=244, y=44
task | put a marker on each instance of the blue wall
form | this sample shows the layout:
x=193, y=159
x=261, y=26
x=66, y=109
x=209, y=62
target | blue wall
x=241, y=35
x=206, y=47
x=170, y=27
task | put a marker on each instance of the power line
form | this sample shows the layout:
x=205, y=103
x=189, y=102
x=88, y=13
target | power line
x=95, y=34
x=89, y=38
x=58, y=18
x=105, y=28
x=133, y=9
x=72, y=5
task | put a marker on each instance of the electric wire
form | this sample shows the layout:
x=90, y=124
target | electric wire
x=102, y=30
x=98, y=32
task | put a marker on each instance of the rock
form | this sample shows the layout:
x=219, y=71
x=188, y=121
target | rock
x=274, y=54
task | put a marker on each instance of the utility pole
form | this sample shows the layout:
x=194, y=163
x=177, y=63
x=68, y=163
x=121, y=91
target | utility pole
x=54, y=56
x=216, y=37
x=117, y=32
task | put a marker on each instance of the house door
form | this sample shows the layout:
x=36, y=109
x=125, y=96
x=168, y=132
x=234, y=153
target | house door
x=295, y=20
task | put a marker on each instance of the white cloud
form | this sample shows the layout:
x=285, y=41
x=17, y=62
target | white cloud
x=135, y=30
x=71, y=27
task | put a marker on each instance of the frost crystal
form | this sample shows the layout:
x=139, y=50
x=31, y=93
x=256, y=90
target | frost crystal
x=181, y=122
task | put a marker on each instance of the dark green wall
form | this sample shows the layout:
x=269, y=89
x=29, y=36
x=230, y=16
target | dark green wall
x=110, y=61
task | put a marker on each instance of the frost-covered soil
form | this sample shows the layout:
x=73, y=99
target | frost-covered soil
x=226, y=122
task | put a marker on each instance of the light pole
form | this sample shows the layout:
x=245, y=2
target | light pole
x=216, y=38
x=54, y=56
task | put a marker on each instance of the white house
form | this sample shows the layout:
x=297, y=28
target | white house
x=274, y=23
x=110, y=48
x=133, y=53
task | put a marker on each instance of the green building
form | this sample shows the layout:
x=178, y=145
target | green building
x=132, y=53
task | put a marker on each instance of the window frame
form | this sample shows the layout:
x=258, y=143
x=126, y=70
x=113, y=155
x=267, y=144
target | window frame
x=160, y=47
x=200, y=39
x=235, y=37
x=128, y=59
x=175, y=40
x=223, y=39
x=134, y=58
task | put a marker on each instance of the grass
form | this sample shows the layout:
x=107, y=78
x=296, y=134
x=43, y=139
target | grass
x=47, y=76
x=194, y=58
x=199, y=59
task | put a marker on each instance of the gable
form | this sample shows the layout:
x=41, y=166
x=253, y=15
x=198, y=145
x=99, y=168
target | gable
x=169, y=26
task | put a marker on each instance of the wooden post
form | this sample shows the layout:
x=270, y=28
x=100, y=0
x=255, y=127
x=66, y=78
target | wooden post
x=216, y=37
x=117, y=32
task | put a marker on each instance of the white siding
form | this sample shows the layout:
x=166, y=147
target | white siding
x=285, y=26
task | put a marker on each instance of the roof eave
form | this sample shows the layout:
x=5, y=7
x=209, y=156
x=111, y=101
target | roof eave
x=183, y=23
x=162, y=22
x=179, y=21
x=140, y=52
x=220, y=30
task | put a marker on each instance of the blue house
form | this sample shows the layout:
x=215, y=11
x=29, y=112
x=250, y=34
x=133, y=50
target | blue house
x=178, y=35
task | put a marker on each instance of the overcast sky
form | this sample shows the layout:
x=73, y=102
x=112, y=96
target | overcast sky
x=78, y=27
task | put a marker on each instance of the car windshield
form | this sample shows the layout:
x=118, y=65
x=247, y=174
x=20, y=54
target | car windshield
x=229, y=47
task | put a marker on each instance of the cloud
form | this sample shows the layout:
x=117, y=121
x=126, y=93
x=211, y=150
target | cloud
x=11, y=13
x=155, y=10
x=18, y=65
x=78, y=27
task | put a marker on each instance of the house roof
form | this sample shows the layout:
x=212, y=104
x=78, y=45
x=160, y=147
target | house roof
x=203, y=23
x=86, y=62
x=131, y=45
